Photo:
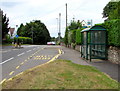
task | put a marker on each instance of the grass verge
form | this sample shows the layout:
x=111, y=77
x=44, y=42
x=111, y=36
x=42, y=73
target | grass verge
x=61, y=74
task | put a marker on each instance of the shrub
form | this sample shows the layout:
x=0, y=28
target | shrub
x=78, y=36
x=113, y=31
x=23, y=40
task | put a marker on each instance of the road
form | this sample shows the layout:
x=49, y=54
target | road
x=15, y=61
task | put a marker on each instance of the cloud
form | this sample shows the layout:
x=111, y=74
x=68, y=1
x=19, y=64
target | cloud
x=22, y=11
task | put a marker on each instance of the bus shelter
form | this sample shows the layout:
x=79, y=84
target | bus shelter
x=94, y=42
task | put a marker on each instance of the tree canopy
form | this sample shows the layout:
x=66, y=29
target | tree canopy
x=35, y=29
x=112, y=10
x=5, y=23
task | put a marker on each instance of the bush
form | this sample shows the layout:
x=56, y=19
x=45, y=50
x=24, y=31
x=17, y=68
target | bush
x=113, y=31
x=7, y=39
x=78, y=36
x=23, y=40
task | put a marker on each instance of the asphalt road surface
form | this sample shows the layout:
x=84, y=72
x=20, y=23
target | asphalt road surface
x=15, y=61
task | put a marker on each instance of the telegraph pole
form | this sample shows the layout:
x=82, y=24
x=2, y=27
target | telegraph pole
x=32, y=34
x=57, y=24
x=66, y=15
x=59, y=34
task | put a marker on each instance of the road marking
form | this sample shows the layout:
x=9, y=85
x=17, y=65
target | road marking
x=48, y=58
x=17, y=67
x=22, y=63
x=7, y=60
x=26, y=60
x=11, y=72
x=34, y=48
x=29, y=50
x=9, y=79
x=2, y=81
x=21, y=54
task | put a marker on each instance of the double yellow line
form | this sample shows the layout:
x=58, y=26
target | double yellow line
x=55, y=57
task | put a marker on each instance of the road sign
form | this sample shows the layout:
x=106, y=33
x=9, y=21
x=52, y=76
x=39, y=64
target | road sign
x=16, y=36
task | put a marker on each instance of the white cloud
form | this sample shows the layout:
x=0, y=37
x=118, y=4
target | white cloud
x=22, y=11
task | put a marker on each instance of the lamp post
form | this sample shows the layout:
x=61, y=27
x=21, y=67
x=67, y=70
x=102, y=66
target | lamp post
x=59, y=26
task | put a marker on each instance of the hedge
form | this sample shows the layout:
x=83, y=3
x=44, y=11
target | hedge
x=113, y=31
x=78, y=36
x=23, y=40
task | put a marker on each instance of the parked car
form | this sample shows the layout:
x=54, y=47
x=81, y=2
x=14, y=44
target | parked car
x=51, y=43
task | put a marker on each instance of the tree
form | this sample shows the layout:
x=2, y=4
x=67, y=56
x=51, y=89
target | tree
x=74, y=25
x=66, y=37
x=36, y=30
x=111, y=10
x=5, y=28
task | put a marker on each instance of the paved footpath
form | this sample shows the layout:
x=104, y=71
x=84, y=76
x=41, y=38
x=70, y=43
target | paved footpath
x=104, y=66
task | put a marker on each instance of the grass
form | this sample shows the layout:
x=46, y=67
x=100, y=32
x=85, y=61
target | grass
x=61, y=74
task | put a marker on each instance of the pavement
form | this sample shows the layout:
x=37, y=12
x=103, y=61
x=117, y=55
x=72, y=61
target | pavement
x=104, y=66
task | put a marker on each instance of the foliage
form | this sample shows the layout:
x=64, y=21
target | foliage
x=74, y=25
x=112, y=10
x=78, y=36
x=5, y=28
x=113, y=32
x=109, y=8
x=35, y=29
x=70, y=33
x=73, y=36
x=7, y=39
x=23, y=40
x=66, y=37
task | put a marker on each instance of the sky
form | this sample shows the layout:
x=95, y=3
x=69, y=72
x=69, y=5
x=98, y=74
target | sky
x=24, y=11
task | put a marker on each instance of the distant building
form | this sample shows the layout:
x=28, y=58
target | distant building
x=84, y=24
x=11, y=31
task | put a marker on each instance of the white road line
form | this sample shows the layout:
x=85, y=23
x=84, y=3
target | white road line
x=7, y=60
x=34, y=48
x=20, y=54
x=29, y=51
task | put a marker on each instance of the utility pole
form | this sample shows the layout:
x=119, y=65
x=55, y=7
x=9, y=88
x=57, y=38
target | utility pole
x=66, y=15
x=57, y=25
x=59, y=34
x=91, y=22
x=32, y=34
x=1, y=13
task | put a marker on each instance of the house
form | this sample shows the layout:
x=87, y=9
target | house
x=11, y=31
x=84, y=24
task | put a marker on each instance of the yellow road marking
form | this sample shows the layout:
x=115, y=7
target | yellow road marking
x=11, y=73
x=59, y=51
x=22, y=63
x=2, y=81
x=45, y=58
x=10, y=79
x=17, y=67
x=48, y=58
x=26, y=60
